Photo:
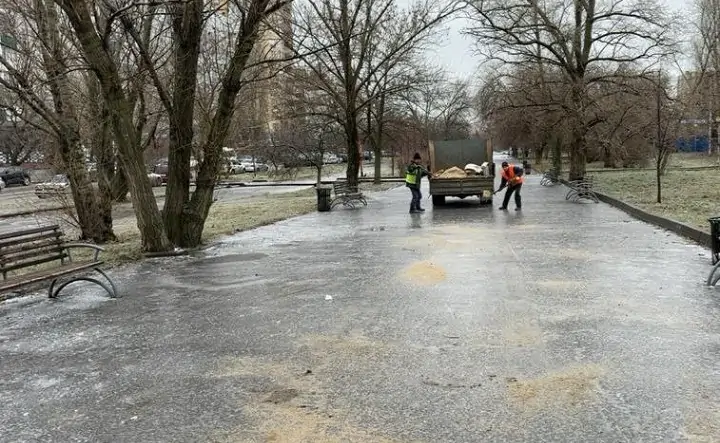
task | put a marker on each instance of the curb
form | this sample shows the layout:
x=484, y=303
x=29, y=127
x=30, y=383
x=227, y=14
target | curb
x=700, y=237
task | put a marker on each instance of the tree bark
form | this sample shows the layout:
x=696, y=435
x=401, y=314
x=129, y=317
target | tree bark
x=103, y=151
x=149, y=222
x=92, y=225
x=187, y=31
x=578, y=157
x=379, y=138
x=197, y=209
x=353, y=146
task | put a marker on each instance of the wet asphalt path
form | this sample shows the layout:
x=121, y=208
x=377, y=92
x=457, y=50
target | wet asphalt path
x=563, y=323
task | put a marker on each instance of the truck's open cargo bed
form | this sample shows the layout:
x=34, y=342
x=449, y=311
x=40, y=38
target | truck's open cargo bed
x=446, y=154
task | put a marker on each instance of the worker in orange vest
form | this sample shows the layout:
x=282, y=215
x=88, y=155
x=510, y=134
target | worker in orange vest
x=512, y=177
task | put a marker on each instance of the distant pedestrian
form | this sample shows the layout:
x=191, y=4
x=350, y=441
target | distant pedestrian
x=413, y=176
x=512, y=177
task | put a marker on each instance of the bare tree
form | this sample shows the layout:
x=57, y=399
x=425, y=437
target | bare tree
x=584, y=41
x=339, y=35
x=50, y=76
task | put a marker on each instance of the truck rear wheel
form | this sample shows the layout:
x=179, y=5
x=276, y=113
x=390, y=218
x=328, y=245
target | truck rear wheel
x=438, y=200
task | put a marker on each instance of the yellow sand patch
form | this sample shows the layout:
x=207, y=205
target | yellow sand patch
x=351, y=345
x=569, y=387
x=702, y=424
x=424, y=273
x=297, y=409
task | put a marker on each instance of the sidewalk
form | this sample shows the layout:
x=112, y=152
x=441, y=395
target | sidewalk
x=563, y=323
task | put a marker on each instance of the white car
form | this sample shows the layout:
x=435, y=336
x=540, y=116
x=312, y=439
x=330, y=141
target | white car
x=236, y=168
x=2, y=184
x=155, y=179
x=59, y=185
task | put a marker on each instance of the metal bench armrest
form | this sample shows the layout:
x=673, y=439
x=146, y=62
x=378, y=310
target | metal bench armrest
x=98, y=249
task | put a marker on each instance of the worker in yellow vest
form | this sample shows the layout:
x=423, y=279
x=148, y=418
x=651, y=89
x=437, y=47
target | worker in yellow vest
x=413, y=175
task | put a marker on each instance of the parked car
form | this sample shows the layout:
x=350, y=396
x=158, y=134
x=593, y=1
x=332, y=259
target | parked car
x=330, y=159
x=155, y=179
x=2, y=184
x=161, y=170
x=14, y=175
x=59, y=185
x=236, y=168
x=252, y=164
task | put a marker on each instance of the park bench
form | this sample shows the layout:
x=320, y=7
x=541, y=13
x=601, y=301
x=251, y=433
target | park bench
x=714, y=276
x=33, y=256
x=581, y=190
x=346, y=195
x=550, y=178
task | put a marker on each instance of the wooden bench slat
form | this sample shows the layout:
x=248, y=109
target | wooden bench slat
x=29, y=231
x=38, y=261
x=24, y=247
x=19, y=241
x=46, y=274
x=20, y=256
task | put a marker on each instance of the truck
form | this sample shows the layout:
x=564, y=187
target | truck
x=445, y=154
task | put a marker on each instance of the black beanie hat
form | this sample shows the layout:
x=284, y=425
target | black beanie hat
x=416, y=156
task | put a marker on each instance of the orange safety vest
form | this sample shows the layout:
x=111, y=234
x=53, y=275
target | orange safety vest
x=509, y=174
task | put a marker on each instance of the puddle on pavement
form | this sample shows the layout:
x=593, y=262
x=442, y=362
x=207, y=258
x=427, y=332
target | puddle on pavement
x=567, y=388
x=424, y=273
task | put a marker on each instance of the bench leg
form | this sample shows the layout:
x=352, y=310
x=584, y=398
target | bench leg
x=110, y=289
x=712, y=278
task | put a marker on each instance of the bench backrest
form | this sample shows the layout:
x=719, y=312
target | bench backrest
x=30, y=247
x=341, y=187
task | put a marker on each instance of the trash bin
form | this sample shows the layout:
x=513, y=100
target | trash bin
x=715, y=238
x=324, y=193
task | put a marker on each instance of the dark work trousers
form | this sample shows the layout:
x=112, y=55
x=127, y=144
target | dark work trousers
x=508, y=193
x=416, y=197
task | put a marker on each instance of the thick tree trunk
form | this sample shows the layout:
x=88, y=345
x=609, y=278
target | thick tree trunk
x=149, y=222
x=379, y=139
x=578, y=148
x=353, y=146
x=187, y=30
x=577, y=155
x=658, y=182
x=103, y=151
x=92, y=225
x=198, y=208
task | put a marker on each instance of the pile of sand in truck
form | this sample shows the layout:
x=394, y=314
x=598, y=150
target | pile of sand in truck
x=470, y=169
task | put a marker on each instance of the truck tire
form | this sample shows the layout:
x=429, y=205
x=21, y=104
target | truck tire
x=438, y=200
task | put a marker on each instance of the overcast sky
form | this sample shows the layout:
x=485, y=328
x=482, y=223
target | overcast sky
x=456, y=53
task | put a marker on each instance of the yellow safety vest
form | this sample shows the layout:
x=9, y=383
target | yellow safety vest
x=411, y=178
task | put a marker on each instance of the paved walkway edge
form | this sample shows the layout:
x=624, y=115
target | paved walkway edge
x=681, y=229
